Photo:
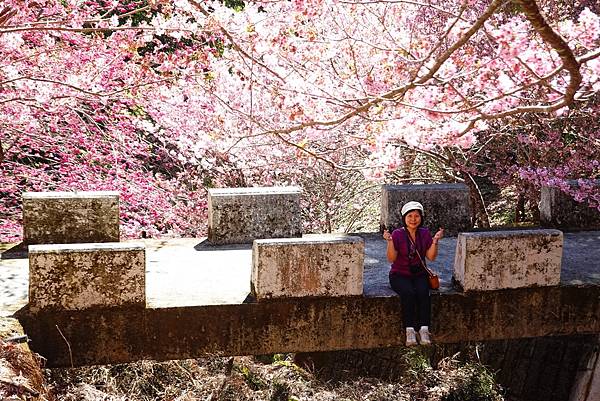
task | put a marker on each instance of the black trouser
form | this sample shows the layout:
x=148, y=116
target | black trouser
x=414, y=298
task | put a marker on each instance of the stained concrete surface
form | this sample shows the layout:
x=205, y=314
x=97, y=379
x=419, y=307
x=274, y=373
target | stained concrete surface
x=190, y=272
x=70, y=217
x=315, y=265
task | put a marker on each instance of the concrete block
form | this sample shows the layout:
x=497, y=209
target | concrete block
x=241, y=215
x=446, y=205
x=559, y=210
x=70, y=217
x=314, y=265
x=81, y=276
x=494, y=260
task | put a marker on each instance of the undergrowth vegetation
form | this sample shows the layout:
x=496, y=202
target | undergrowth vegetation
x=272, y=378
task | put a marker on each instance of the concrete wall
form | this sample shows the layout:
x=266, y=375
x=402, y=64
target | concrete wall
x=508, y=259
x=81, y=276
x=304, y=325
x=241, y=215
x=70, y=217
x=559, y=210
x=315, y=265
x=446, y=205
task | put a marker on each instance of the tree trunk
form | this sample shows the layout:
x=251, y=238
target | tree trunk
x=479, y=215
x=520, y=209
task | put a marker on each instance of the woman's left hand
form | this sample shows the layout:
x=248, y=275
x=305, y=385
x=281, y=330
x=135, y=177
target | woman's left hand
x=431, y=253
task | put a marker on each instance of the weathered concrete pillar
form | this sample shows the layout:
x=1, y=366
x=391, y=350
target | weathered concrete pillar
x=315, y=265
x=241, y=215
x=559, y=210
x=494, y=260
x=446, y=205
x=81, y=276
x=70, y=217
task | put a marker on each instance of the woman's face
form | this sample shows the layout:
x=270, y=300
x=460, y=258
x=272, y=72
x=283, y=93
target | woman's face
x=413, y=219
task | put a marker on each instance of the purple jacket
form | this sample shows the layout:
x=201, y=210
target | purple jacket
x=403, y=247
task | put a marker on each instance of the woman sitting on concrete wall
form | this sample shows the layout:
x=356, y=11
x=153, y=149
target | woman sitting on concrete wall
x=407, y=249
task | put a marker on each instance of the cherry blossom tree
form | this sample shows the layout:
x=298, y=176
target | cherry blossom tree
x=388, y=76
x=73, y=112
x=539, y=152
x=161, y=99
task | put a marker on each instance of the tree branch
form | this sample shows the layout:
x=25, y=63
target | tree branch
x=570, y=63
x=399, y=92
x=6, y=14
x=234, y=43
x=78, y=89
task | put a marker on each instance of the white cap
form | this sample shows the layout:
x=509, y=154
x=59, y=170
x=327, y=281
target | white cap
x=412, y=205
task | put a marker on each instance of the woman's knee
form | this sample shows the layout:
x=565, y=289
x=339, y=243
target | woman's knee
x=406, y=291
x=422, y=293
x=398, y=284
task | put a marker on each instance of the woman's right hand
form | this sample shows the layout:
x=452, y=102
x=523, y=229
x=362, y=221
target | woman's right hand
x=386, y=235
x=391, y=252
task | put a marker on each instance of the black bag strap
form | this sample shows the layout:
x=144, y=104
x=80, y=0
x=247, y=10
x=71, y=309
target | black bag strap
x=408, y=242
x=427, y=269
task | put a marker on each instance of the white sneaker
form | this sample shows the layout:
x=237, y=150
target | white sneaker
x=424, y=336
x=411, y=337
